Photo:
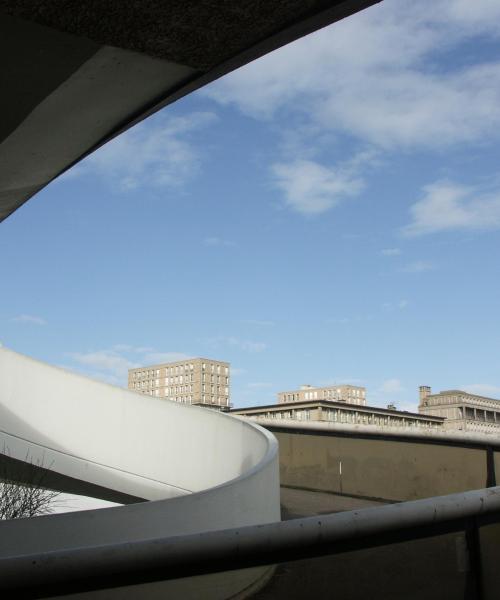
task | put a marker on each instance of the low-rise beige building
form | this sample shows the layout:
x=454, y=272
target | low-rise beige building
x=351, y=394
x=462, y=411
x=202, y=381
x=341, y=412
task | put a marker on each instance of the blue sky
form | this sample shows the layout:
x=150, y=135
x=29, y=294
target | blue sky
x=328, y=213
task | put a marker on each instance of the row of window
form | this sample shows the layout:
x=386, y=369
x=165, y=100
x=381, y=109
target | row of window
x=343, y=416
x=477, y=414
x=340, y=416
x=354, y=396
x=179, y=379
x=180, y=371
x=438, y=400
x=206, y=399
x=213, y=368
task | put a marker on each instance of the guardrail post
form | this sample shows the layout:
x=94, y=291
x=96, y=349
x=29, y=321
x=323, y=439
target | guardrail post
x=491, y=479
x=474, y=579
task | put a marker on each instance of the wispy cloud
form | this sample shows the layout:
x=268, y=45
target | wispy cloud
x=418, y=266
x=324, y=77
x=391, y=386
x=416, y=102
x=29, y=319
x=390, y=252
x=399, y=305
x=235, y=342
x=311, y=188
x=104, y=361
x=152, y=358
x=482, y=389
x=217, y=241
x=157, y=153
x=112, y=364
x=447, y=206
x=135, y=349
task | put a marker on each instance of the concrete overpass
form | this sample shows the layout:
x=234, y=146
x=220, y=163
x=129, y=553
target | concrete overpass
x=80, y=73
x=181, y=469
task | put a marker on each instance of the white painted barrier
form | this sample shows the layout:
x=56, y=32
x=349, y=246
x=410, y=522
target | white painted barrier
x=201, y=470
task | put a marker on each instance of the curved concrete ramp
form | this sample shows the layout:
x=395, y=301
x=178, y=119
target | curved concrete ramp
x=200, y=469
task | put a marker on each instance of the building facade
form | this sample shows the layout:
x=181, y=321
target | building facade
x=201, y=381
x=462, y=411
x=341, y=412
x=351, y=394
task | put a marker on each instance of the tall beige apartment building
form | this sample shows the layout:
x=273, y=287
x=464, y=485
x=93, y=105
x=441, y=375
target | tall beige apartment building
x=200, y=381
x=351, y=394
x=462, y=411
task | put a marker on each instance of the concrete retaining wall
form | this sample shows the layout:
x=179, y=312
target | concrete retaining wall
x=377, y=466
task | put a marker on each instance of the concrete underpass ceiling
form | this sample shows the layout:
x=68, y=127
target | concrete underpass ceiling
x=77, y=74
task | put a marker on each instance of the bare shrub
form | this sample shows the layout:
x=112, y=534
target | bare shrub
x=22, y=490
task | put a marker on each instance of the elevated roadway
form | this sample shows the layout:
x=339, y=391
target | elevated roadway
x=80, y=73
x=183, y=469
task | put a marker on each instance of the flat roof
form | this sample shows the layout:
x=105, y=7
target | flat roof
x=331, y=404
x=448, y=392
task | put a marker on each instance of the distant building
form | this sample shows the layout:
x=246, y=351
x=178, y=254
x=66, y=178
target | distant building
x=352, y=394
x=463, y=411
x=200, y=381
x=340, y=412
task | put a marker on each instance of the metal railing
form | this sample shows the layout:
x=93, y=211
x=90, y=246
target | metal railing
x=162, y=559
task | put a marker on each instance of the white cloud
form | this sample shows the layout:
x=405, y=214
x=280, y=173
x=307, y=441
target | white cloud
x=112, y=365
x=231, y=341
x=482, y=389
x=152, y=358
x=129, y=348
x=105, y=361
x=311, y=188
x=447, y=206
x=391, y=386
x=30, y=319
x=390, y=252
x=217, y=241
x=157, y=153
x=418, y=266
x=388, y=49
x=399, y=305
